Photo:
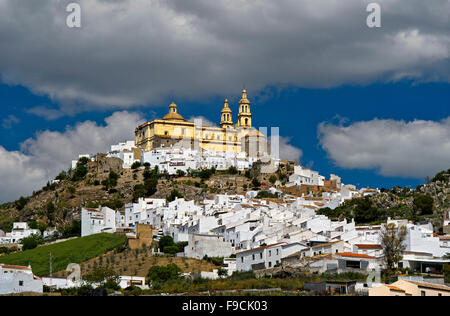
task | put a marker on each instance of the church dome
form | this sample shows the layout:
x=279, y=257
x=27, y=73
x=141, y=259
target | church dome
x=173, y=114
x=244, y=99
x=226, y=108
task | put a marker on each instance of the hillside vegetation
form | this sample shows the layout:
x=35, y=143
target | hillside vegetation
x=428, y=202
x=138, y=261
x=105, y=183
x=71, y=251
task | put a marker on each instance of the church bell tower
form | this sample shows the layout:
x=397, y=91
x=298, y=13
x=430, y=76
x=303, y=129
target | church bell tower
x=226, y=116
x=244, y=116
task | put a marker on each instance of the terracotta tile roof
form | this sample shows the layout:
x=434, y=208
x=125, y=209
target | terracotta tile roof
x=446, y=237
x=92, y=209
x=14, y=267
x=354, y=255
x=431, y=286
x=368, y=246
x=326, y=244
x=260, y=248
x=309, y=206
x=395, y=288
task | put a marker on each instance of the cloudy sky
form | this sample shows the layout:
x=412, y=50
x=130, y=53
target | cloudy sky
x=371, y=104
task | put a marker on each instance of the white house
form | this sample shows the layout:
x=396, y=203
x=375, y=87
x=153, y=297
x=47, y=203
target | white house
x=74, y=162
x=18, y=279
x=127, y=152
x=61, y=283
x=96, y=221
x=19, y=231
x=128, y=281
x=200, y=246
x=263, y=257
x=305, y=176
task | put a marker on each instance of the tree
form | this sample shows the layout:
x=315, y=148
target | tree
x=232, y=170
x=21, y=203
x=205, y=174
x=174, y=195
x=392, y=242
x=112, y=179
x=171, y=250
x=273, y=179
x=136, y=165
x=222, y=272
x=150, y=182
x=266, y=194
x=80, y=170
x=424, y=204
x=180, y=173
x=72, y=230
x=150, y=186
x=31, y=242
x=61, y=176
x=158, y=274
x=166, y=241
x=446, y=271
x=106, y=278
x=365, y=211
x=255, y=183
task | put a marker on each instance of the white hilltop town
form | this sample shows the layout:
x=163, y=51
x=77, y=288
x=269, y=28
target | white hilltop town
x=250, y=233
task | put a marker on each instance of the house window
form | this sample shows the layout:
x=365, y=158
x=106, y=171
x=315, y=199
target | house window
x=242, y=259
x=353, y=264
x=253, y=257
x=270, y=264
x=278, y=252
x=270, y=253
x=20, y=283
x=422, y=293
x=260, y=255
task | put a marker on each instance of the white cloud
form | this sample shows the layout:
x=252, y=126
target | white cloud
x=46, y=113
x=43, y=157
x=288, y=151
x=138, y=52
x=204, y=121
x=9, y=121
x=396, y=148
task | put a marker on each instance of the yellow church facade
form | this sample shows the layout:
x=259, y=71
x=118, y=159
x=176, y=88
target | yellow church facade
x=173, y=130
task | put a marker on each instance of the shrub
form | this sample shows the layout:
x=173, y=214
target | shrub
x=166, y=241
x=273, y=179
x=31, y=242
x=266, y=194
x=136, y=165
x=158, y=274
x=256, y=183
x=181, y=173
x=232, y=170
x=174, y=195
x=21, y=203
x=106, y=278
x=424, y=204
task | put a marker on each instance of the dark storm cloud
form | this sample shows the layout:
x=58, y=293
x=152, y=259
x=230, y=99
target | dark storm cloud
x=134, y=52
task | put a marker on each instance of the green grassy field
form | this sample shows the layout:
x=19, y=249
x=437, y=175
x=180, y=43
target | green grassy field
x=72, y=251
